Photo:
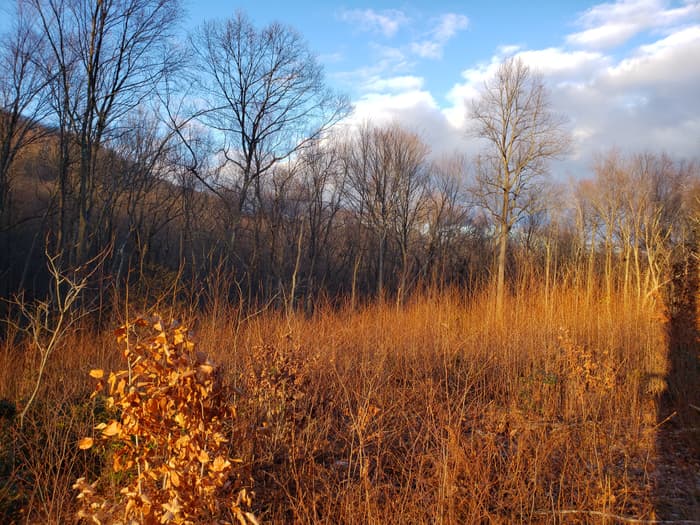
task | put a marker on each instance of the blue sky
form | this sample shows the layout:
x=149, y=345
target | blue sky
x=350, y=37
x=625, y=72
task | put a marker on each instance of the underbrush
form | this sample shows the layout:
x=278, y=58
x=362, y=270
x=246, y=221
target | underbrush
x=434, y=412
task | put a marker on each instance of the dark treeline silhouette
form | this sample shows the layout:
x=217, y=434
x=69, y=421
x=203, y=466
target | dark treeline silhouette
x=169, y=161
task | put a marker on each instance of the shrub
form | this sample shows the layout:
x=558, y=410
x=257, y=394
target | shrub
x=168, y=443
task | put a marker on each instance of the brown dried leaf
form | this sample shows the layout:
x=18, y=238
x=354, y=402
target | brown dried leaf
x=173, y=506
x=85, y=443
x=112, y=429
x=219, y=464
x=120, y=387
x=120, y=333
x=206, y=368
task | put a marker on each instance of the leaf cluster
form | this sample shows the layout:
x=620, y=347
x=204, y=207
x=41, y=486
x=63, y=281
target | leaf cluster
x=170, y=440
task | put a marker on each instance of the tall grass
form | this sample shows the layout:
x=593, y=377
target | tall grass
x=434, y=412
x=441, y=412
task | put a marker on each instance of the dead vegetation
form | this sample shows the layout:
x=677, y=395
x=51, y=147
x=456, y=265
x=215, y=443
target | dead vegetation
x=434, y=412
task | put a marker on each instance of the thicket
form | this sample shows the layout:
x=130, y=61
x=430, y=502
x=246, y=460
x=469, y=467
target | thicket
x=169, y=445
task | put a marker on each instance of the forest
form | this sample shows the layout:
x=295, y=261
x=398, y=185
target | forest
x=223, y=300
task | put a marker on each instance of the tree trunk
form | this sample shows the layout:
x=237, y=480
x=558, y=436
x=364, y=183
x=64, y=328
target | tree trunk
x=502, y=247
x=501, y=271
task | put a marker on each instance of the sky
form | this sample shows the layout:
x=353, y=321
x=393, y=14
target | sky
x=625, y=73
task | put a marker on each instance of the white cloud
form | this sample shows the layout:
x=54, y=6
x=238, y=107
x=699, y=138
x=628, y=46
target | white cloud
x=388, y=62
x=447, y=26
x=561, y=64
x=388, y=57
x=605, y=36
x=416, y=110
x=646, y=100
x=427, y=49
x=643, y=98
x=462, y=93
x=507, y=50
x=612, y=24
x=394, y=84
x=667, y=62
x=386, y=22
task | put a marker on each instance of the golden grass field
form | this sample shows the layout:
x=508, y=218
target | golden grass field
x=567, y=409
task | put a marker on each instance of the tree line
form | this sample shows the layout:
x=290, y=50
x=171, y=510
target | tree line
x=225, y=153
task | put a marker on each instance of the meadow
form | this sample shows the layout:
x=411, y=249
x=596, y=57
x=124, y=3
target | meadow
x=568, y=408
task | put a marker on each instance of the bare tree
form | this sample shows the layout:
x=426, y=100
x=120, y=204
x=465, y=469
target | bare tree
x=633, y=208
x=387, y=187
x=137, y=187
x=513, y=116
x=323, y=187
x=107, y=58
x=408, y=163
x=22, y=98
x=265, y=94
x=607, y=201
x=446, y=214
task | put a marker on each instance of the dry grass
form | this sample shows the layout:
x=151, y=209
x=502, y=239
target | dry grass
x=435, y=412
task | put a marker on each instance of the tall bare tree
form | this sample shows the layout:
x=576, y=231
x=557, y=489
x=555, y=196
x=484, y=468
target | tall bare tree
x=107, y=58
x=266, y=95
x=514, y=118
x=22, y=98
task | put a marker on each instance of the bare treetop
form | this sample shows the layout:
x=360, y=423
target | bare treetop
x=264, y=94
x=513, y=113
x=265, y=91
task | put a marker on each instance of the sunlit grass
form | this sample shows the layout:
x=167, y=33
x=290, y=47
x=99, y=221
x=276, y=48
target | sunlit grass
x=434, y=412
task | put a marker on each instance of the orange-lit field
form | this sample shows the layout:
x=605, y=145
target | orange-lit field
x=567, y=410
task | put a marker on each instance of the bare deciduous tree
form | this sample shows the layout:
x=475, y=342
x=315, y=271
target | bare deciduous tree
x=446, y=214
x=513, y=116
x=388, y=178
x=107, y=58
x=632, y=214
x=266, y=95
x=323, y=188
x=22, y=98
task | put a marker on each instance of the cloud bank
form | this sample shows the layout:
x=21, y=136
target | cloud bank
x=636, y=97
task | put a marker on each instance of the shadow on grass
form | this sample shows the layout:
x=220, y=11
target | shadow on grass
x=677, y=473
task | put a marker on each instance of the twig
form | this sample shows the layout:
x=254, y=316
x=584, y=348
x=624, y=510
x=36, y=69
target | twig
x=670, y=416
x=50, y=320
